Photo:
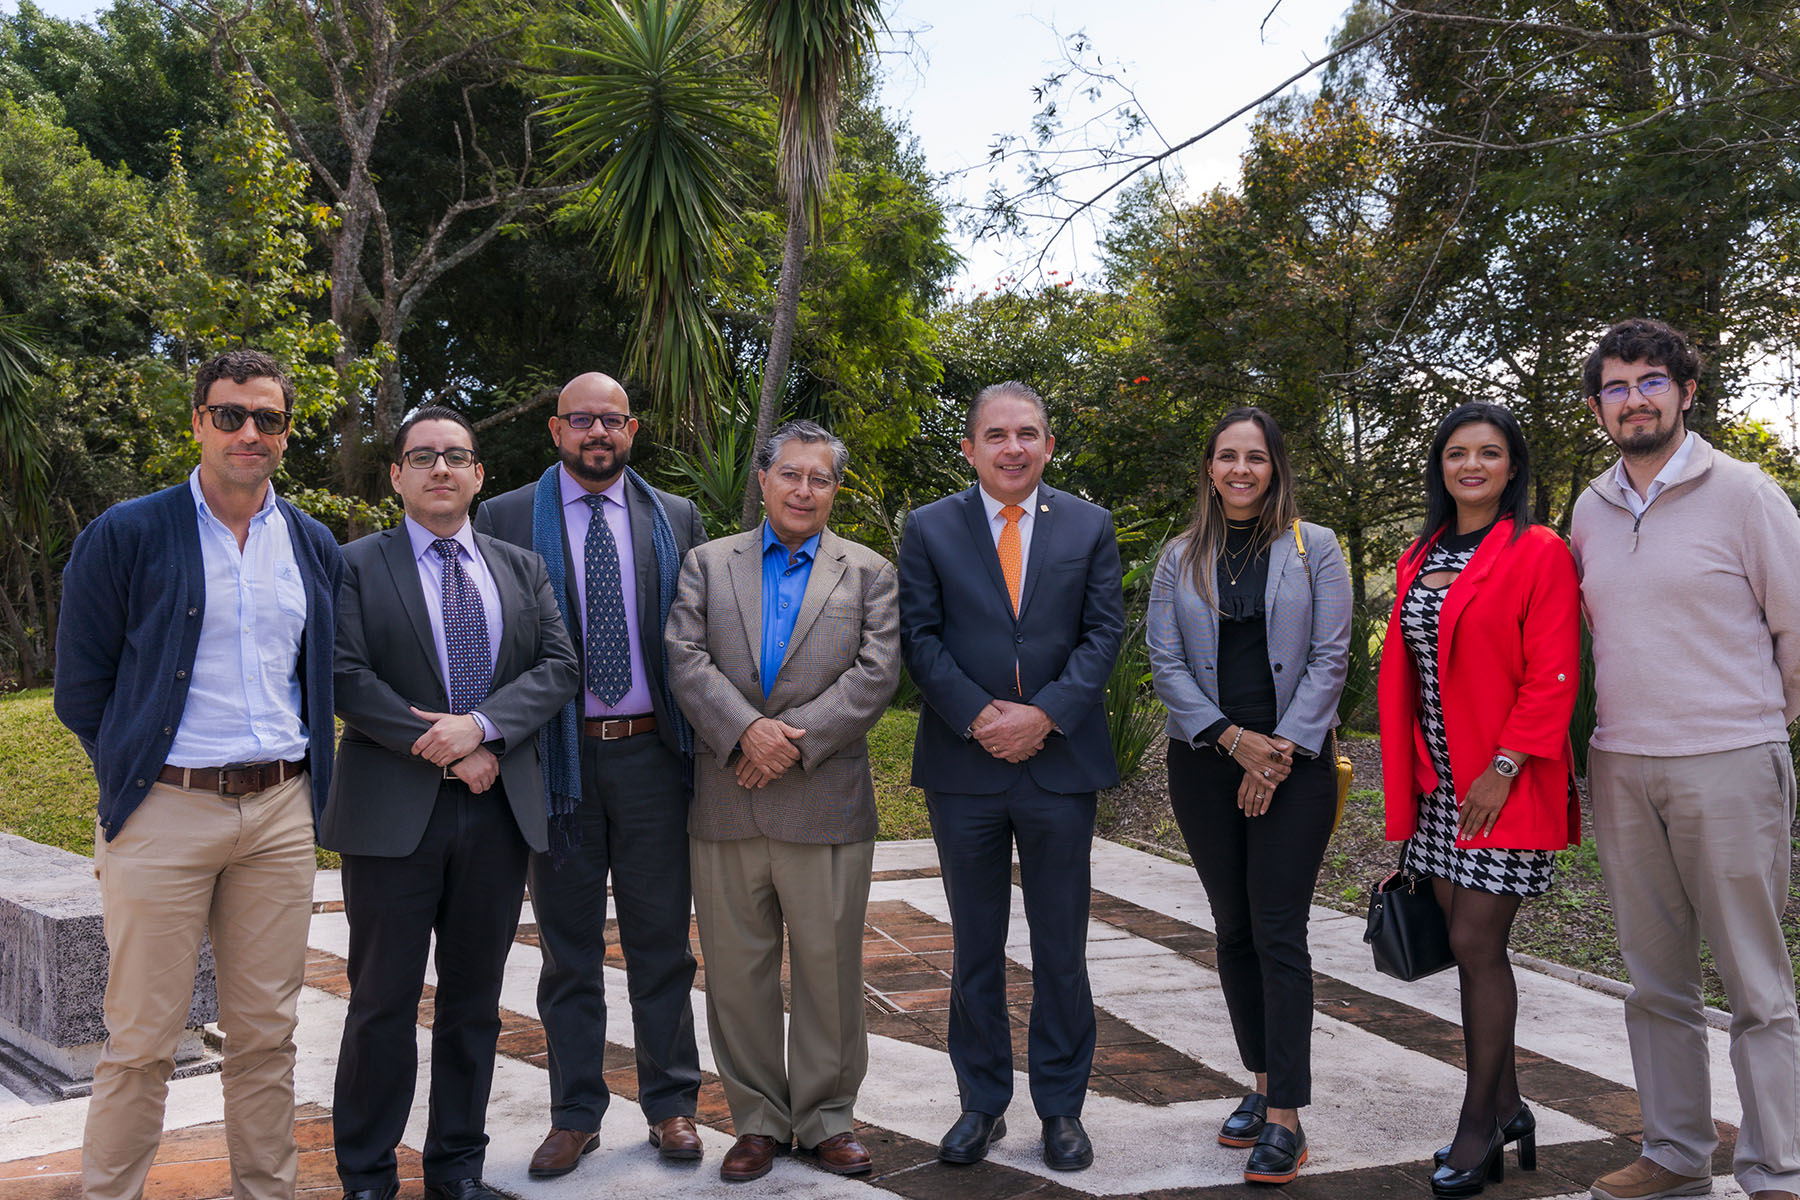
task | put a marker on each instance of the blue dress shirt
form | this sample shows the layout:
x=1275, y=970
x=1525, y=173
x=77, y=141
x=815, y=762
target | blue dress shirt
x=243, y=703
x=784, y=587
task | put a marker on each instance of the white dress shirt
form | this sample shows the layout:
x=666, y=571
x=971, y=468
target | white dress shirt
x=1671, y=471
x=996, y=523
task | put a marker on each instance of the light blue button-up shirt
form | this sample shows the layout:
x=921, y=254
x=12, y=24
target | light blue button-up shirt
x=431, y=580
x=243, y=702
x=784, y=587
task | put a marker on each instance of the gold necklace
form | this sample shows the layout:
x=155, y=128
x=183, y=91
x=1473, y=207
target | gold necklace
x=1248, y=557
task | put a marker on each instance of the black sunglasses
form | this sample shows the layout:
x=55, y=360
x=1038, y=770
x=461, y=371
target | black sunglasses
x=229, y=418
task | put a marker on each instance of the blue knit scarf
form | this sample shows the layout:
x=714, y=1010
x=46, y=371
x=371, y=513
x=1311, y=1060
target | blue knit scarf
x=559, y=741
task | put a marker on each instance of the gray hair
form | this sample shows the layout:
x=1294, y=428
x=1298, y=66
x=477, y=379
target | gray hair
x=992, y=391
x=811, y=433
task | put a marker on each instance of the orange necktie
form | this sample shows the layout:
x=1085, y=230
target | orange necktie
x=1010, y=552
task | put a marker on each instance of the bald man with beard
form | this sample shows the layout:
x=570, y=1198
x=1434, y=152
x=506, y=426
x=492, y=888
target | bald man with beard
x=620, y=757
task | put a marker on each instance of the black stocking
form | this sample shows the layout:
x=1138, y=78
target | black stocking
x=1480, y=923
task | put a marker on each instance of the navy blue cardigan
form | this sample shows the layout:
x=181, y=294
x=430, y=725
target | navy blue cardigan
x=134, y=594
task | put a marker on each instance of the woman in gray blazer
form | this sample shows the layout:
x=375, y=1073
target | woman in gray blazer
x=1249, y=635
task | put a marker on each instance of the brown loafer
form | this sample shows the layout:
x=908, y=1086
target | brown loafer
x=1647, y=1179
x=750, y=1157
x=561, y=1153
x=842, y=1154
x=676, y=1139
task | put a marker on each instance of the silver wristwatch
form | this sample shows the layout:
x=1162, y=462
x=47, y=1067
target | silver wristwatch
x=1506, y=766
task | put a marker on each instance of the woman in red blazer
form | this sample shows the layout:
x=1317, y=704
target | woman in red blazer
x=1478, y=681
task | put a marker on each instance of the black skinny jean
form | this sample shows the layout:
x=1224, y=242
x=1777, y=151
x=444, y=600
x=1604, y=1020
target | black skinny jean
x=1259, y=874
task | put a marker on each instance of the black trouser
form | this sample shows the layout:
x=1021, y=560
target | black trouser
x=1259, y=874
x=465, y=883
x=1055, y=834
x=633, y=819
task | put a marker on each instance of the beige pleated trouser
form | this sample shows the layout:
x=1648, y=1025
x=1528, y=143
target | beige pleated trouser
x=186, y=862
x=803, y=1086
x=1691, y=847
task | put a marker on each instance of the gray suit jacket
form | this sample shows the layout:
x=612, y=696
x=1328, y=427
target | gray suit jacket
x=842, y=666
x=1309, y=639
x=386, y=660
x=508, y=517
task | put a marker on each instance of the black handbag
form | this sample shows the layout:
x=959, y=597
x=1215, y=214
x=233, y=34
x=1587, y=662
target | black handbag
x=1406, y=927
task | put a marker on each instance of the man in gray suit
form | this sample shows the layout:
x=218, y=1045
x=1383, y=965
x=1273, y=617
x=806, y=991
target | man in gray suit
x=620, y=753
x=784, y=646
x=450, y=656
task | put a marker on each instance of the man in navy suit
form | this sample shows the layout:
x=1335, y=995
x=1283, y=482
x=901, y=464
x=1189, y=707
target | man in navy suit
x=1011, y=614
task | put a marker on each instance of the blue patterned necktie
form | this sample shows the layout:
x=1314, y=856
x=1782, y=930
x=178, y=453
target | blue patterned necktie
x=608, y=652
x=465, y=632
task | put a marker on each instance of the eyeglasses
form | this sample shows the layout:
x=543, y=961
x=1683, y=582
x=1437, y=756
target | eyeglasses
x=1649, y=388
x=229, y=418
x=423, y=459
x=585, y=420
x=794, y=478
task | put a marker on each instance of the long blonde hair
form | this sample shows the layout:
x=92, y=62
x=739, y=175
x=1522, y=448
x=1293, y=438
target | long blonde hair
x=1205, y=534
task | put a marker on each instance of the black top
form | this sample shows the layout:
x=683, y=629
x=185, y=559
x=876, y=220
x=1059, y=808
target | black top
x=1246, y=684
x=1456, y=543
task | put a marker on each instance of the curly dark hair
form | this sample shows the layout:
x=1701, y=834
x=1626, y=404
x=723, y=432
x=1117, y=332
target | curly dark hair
x=239, y=365
x=1643, y=339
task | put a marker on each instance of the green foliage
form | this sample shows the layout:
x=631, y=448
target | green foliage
x=714, y=473
x=899, y=806
x=47, y=788
x=660, y=112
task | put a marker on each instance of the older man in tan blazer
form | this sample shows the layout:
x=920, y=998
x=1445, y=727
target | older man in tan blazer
x=783, y=650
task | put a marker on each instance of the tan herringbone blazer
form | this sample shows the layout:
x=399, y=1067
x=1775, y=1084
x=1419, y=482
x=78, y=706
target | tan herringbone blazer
x=842, y=667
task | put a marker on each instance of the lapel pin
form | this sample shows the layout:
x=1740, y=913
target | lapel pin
x=1043, y=508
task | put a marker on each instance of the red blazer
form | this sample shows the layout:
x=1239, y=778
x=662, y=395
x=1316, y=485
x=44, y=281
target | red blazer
x=1509, y=653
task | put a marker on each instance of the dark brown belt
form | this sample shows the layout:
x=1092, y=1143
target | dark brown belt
x=233, y=779
x=611, y=729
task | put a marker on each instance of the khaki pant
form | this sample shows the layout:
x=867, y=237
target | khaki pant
x=189, y=861
x=744, y=892
x=1691, y=847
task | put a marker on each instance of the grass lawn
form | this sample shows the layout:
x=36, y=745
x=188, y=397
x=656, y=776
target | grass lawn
x=48, y=794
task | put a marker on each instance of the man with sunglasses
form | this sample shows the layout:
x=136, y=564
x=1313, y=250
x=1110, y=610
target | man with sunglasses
x=451, y=655
x=619, y=759
x=1690, y=564
x=194, y=664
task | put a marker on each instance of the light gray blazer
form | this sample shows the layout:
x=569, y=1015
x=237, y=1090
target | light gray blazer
x=1309, y=639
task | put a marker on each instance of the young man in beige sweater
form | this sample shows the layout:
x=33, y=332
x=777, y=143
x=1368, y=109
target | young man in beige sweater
x=1690, y=564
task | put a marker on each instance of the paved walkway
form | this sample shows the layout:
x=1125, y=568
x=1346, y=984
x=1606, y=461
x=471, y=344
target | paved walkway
x=1386, y=1071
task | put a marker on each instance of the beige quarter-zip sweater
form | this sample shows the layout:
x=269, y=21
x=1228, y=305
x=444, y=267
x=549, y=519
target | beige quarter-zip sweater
x=1694, y=608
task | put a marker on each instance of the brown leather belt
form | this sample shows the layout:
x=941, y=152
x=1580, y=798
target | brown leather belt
x=233, y=779
x=611, y=729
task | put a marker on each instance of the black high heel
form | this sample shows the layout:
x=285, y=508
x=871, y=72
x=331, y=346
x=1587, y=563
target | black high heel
x=1450, y=1184
x=1522, y=1128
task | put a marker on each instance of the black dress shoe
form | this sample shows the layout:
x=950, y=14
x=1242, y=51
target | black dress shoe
x=1521, y=1129
x=967, y=1141
x=386, y=1191
x=1278, y=1155
x=1245, y=1125
x=1066, y=1145
x=461, y=1189
x=1450, y=1184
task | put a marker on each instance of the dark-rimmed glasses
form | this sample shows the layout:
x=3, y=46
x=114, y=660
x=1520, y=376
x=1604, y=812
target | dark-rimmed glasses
x=423, y=459
x=611, y=421
x=229, y=418
x=1650, y=388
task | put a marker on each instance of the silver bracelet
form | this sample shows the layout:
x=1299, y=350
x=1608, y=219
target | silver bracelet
x=1235, y=741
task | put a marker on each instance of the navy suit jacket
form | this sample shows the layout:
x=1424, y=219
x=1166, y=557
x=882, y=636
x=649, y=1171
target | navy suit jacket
x=964, y=647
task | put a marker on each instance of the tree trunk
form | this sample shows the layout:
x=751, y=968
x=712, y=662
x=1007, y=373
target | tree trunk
x=781, y=345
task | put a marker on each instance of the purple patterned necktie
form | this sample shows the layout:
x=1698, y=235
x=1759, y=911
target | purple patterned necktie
x=465, y=632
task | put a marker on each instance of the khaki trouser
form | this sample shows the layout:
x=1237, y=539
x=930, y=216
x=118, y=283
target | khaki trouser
x=1691, y=847
x=188, y=861
x=744, y=892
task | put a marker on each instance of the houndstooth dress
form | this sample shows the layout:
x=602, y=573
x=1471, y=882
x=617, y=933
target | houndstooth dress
x=1434, y=850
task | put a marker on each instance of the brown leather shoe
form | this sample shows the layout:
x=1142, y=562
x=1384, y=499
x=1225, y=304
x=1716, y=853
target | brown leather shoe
x=561, y=1153
x=1647, y=1179
x=676, y=1139
x=842, y=1154
x=750, y=1157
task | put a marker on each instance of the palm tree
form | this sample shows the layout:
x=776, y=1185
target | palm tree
x=811, y=49
x=663, y=110
x=24, y=470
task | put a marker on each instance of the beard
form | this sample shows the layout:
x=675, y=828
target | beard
x=1649, y=442
x=580, y=470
